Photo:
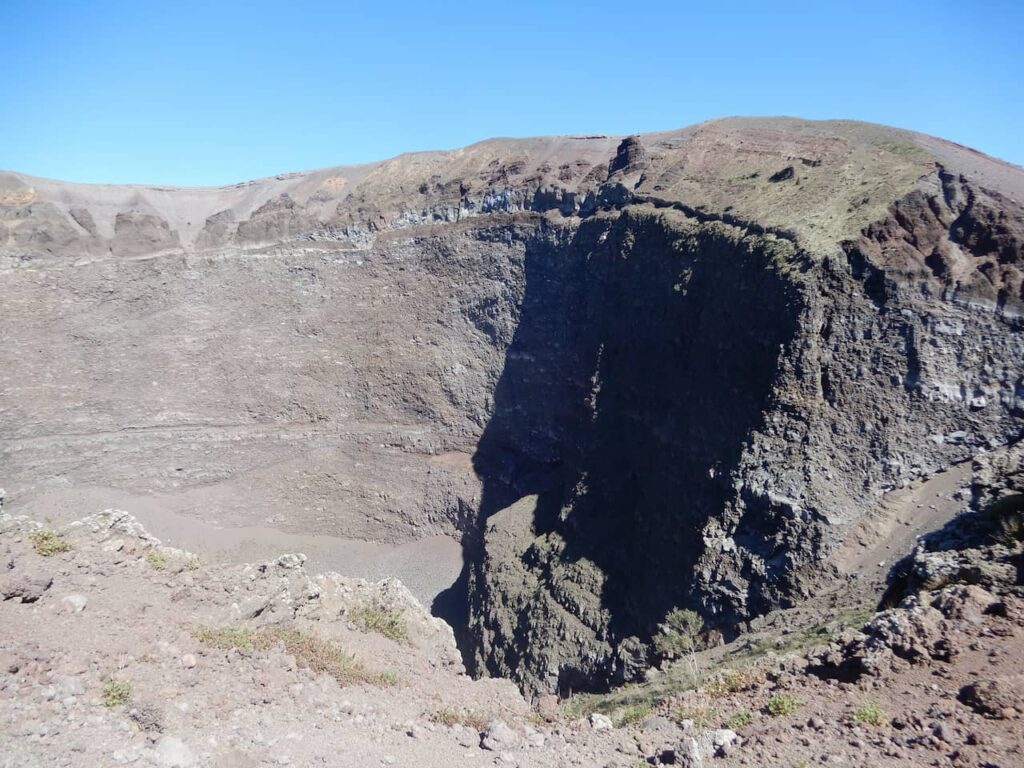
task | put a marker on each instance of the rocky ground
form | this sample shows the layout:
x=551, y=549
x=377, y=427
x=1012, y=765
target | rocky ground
x=115, y=652
x=119, y=650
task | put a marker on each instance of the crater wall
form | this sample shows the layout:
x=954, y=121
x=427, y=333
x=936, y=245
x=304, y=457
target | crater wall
x=629, y=374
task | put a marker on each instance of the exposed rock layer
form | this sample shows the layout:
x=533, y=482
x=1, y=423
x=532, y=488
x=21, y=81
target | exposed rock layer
x=683, y=363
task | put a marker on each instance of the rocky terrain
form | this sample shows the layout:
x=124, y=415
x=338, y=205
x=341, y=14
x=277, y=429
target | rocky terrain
x=177, y=663
x=598, y=379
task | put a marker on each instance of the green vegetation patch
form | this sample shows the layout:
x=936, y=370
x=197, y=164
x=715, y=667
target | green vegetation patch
x=902, y=148
x=629, y=701
x=733, y=681
x=161, y=561
x=310, y=652
x=782, y=705
x=376, y=618
x=226, y=638
x=632, y=713
x=157, y=560
x=742, y=718
x=678, y=635
x=452, y=716
x=802, y=640
x=702, y=715
x=48, y=542
x=869, y=714
x=116, y=692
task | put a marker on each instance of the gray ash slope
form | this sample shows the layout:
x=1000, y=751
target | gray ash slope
x=631, y=374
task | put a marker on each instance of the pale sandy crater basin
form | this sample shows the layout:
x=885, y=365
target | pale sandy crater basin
x=427, y=566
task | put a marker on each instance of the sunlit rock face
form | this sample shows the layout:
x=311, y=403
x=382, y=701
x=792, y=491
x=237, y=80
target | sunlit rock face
x=627, y=374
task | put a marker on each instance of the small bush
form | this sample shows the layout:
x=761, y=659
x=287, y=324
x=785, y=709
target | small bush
x=377, y=618
x=161, y=561
x=310, y=652
x=740, y=719
x=869, y=714
x=701, y=715
x=450, y=716
x=157, y=560
x=733, y=681
x=633, y=713
x=116, y=692
x=48, y=542
x=782, y=705
x=324, y=656
x=678, y=634
x=226, y=638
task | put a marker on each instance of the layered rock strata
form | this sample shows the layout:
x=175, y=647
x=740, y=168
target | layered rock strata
x=630, y=374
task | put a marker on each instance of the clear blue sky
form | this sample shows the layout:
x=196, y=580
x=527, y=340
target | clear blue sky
x=190, y=92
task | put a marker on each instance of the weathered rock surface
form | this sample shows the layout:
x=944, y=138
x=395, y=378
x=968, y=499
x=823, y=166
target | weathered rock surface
x=683, y=364
x=179, y=663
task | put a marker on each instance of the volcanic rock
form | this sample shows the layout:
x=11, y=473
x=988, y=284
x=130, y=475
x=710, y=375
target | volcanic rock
x=630, y=375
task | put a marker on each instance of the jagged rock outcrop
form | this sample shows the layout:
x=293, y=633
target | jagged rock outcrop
x=979, y=548
x=630, y=374
x=713, y=407
x=967, y=238
x=955, y=577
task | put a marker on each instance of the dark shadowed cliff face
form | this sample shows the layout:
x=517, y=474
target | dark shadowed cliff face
x=644, y=358
x=689, y=413
x=630, y=375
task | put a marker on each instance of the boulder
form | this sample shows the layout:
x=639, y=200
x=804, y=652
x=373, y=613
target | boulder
x=25, y=588
x=499, y=737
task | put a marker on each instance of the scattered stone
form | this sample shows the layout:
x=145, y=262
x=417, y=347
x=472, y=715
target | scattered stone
x=498, y=737
x=600, y=722
x=172, y=752
x=721, y=741
x=965, y=601
x=783, y=175
x=70, y=685
x=688, y=754
x=9, y=663
x=466, y=737
x=26, y=588
x=990, y=698
x=547, y=706
x=147, y=716
x=73, y=603
x=945, y=732
x=534, y=738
